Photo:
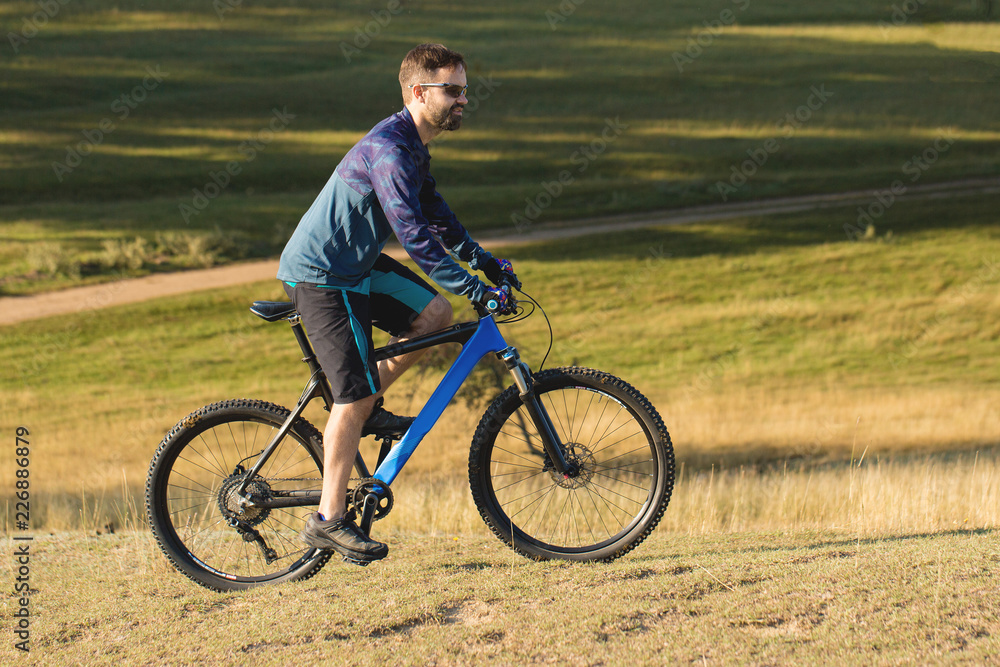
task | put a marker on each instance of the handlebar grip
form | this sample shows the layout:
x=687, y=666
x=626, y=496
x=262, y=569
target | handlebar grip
x=509, y=281
x=492, y=305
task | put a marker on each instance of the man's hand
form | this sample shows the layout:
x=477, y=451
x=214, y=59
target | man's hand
x=498, y=300
x=499, y=271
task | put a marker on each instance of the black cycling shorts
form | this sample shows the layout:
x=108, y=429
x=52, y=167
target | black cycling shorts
x=339, y=323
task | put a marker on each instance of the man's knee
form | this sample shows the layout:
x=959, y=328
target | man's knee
x=437, y=315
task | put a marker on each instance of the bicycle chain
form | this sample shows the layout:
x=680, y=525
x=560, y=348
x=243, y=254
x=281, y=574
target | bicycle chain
x=352, y=491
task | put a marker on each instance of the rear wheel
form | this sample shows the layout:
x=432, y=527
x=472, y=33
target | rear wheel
x=617, y=446
x=192, y=498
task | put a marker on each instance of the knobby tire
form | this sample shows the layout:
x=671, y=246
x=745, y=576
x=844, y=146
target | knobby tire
x=186, y=493
x=610, y=431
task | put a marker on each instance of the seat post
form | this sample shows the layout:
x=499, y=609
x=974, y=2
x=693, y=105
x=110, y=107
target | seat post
x=308, y=355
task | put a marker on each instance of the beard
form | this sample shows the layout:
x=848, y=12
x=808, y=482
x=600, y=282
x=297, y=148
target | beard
x=446, y=120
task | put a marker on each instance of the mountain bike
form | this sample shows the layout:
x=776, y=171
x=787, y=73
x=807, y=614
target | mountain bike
x=566, y=463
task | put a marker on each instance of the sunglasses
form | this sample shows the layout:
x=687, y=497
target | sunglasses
x=452, y=89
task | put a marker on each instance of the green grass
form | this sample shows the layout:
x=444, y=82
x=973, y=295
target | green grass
x=799, y=597
x=760, y=341
x=893, y=92
x=833, y=404
x=765, y=286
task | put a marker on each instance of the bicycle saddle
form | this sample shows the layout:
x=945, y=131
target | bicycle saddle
x=272, y=311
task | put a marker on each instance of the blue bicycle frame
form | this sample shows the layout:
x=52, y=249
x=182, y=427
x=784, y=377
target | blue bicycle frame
x=477, y=338
x=485, y=339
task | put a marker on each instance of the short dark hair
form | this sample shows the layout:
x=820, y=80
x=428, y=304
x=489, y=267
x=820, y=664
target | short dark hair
x=424, y=60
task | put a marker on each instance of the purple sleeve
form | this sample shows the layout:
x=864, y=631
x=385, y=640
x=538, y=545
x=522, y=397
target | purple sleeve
x=402, y=193
x=445, y=225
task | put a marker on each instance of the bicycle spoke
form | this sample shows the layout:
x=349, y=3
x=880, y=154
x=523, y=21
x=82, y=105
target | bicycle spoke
x=533, y=461
x=640, y=448
x=614, y=469
x=620, y=495
x=192, y=463
x=625, y=468
x=600, y=514
x=203, y=472
x=529, y=439
x=520, y=481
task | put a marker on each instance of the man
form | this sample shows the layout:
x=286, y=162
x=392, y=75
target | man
x=341, y=283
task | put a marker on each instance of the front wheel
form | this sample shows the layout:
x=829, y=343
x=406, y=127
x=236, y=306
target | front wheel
x=193, y=503
x=620, y=453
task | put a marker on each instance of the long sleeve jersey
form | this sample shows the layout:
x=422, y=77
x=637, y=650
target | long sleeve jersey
x=382, y=186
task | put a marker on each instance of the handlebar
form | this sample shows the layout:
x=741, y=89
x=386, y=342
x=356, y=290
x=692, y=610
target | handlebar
x=509, y=281
x=507, y=286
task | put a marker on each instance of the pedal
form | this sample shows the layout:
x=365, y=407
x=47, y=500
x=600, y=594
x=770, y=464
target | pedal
x=355, y=561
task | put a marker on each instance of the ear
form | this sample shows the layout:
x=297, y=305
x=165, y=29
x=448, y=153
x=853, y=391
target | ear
x=418, y=93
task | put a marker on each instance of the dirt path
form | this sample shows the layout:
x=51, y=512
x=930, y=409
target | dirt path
x=15, y=309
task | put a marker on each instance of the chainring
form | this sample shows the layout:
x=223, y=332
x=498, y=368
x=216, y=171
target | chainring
x=370, y=485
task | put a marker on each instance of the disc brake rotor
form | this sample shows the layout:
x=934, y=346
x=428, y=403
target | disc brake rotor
x=581, y=460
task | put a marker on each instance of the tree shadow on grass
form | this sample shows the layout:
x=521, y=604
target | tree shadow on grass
x=533, y=122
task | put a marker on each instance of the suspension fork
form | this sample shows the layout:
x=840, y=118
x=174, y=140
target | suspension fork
x=539, y=415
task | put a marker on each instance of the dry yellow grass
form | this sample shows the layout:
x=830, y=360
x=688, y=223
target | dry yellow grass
x=878, y=488
x=722, y=442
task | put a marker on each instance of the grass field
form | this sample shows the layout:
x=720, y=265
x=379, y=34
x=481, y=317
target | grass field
x=799, y=597
x=775, y=345
x=109, y=128
x=831, y=386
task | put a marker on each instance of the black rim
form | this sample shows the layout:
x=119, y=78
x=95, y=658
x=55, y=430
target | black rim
x=606, y=500
x=193, y=501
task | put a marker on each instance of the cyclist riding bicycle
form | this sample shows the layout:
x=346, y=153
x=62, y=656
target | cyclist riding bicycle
x=341, y=283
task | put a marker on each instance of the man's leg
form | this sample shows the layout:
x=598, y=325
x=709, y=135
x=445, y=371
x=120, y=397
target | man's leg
x=340, y=447
x=436, y=315
x=342, y=435
x=339, y=326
